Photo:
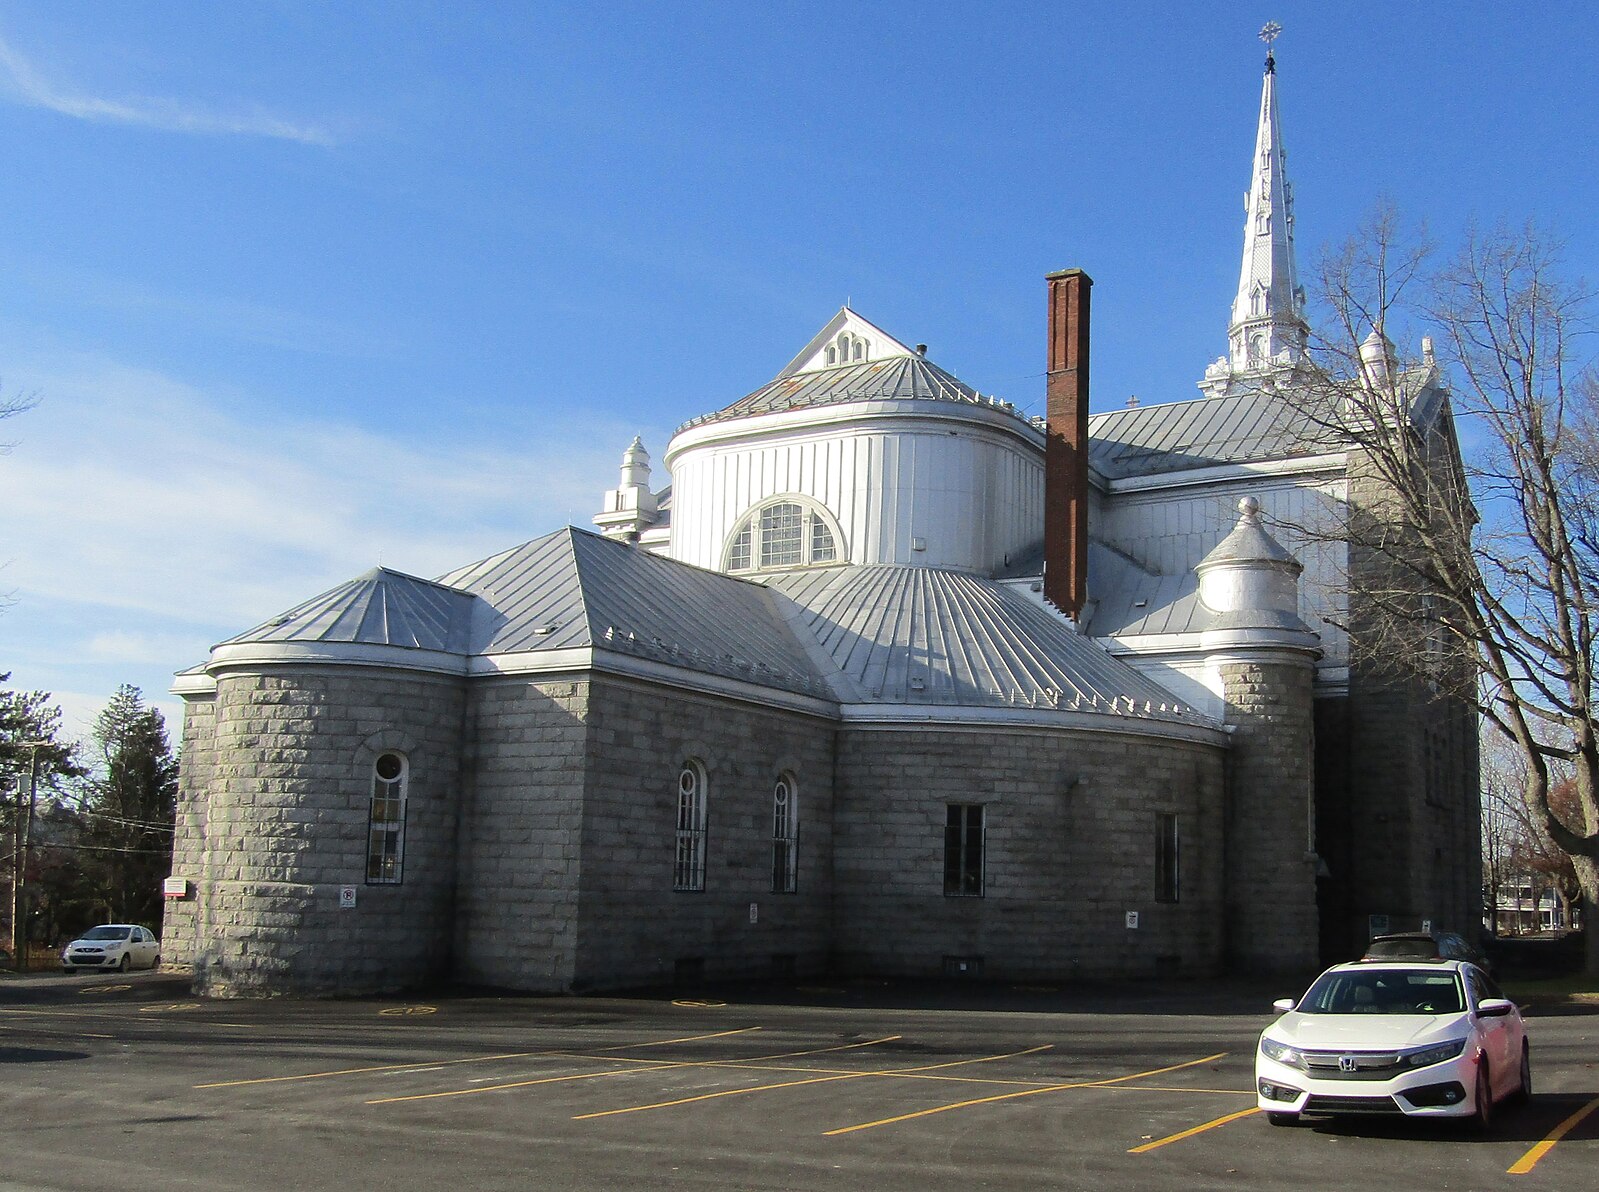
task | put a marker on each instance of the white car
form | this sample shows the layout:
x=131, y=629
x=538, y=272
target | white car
x=120, y=946
x=1419, y=1038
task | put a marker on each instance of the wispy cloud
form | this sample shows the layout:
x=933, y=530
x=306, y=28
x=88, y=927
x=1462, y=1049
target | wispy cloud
x=26, y=84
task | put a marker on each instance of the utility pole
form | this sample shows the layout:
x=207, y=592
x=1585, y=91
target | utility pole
x=22, y=831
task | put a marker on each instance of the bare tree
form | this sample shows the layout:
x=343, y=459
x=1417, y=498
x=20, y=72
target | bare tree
x=1474, y=561
x=17, y=403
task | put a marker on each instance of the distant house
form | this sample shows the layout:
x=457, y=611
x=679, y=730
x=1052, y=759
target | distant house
x=889, y=678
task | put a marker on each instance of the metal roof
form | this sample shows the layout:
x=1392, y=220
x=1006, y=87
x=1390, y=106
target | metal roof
x=381, y=607
x=888, y=635
x=921, y=635
x=1174, y=436
x=577, y=589
x=892, y=378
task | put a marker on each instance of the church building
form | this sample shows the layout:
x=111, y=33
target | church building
x=886, y=677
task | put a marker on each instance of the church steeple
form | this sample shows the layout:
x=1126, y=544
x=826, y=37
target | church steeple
x=1267, y=332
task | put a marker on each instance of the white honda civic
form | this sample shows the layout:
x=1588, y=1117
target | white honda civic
x=1419, y=1038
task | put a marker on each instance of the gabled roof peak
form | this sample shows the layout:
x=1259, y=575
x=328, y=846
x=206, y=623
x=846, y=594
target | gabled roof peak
x=846, y=338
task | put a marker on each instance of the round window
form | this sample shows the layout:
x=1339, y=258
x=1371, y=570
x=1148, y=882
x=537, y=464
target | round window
x=389, y=766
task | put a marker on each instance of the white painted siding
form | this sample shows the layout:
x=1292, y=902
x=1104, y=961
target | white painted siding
x=969, y=483
x=1170, y=530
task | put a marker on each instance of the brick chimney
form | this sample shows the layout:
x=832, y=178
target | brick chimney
x=1066, y=447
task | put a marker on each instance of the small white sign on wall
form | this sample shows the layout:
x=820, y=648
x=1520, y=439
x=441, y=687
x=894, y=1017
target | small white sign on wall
x=1132, y=920
x=755, y=912
x=346, y=897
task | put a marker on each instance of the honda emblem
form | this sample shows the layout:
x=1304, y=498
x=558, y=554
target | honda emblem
x=1347, y=1063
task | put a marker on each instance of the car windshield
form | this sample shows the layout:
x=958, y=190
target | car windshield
x=1415, y=949
x=1385, y=991
x=106, y=933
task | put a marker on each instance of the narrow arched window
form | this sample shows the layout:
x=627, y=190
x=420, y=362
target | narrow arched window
x=785, y=836
x=688, y=871
x=832, y=354
x=385, y=836
x=859, y=349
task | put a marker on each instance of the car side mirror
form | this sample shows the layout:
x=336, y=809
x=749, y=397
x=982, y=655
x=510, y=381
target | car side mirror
x=1494, y=1007
x=1283, y=1004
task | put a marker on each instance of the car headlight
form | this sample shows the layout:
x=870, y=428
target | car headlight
x=1281, y=1053
x=1436, y=1054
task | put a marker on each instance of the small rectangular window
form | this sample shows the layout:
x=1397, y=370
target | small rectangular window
x=1166, y=858
x=963, y=850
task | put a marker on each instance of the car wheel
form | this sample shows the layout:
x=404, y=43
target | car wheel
x=1523, y=1092
x=1482, y=1116
x=1283, y=1119
x=124, y=964
x=155, y=962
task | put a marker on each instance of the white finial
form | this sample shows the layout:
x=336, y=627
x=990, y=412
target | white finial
x=1250, y=508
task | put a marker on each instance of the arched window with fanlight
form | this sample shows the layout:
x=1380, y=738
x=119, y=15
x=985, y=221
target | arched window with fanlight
x=688, y=870
x=385, y=835
x=785, y=836
x=783, y=533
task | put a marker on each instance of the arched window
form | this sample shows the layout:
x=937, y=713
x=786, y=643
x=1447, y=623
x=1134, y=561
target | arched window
x=385, y=837
x=785, y=836
x=782, y=533
x=688, y=871
x=832, y=354
x=860, y=349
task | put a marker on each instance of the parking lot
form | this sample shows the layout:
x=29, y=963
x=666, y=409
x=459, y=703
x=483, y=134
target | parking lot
x=112, y=1081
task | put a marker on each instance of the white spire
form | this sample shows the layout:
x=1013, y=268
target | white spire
x=1267, y=331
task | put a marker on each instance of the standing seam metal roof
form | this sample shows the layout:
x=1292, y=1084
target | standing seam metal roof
x=892, y=378
x=1174, y=436
x=879, y=634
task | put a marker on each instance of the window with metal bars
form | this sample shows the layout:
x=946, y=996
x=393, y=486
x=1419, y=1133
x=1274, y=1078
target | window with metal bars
x=785, y=836
x=963, y=850
x=688, y=871
x=385, y=836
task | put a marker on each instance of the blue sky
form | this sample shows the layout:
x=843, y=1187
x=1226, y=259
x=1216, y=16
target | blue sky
x=304, y=288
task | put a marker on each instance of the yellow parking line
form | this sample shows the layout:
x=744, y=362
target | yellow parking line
x=651, y=1066
x=1530, y=1160
x=1180, y=1135
x=1052, y=1088
x=520, y=1084
x=475, y=1059
x=759, y=1088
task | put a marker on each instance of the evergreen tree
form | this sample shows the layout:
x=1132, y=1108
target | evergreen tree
x=30, y=736
x=131, y=806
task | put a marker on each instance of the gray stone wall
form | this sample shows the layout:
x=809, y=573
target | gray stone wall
x=1413, y=807
x=521, y=836
x=1070, y=850
x=633, y=927
x=286, y=826
x=197, y=771
x=1272, y=923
